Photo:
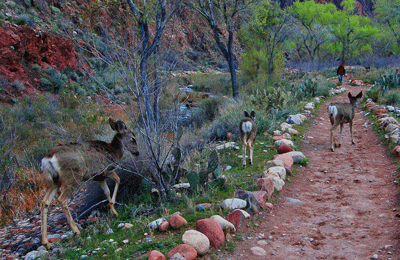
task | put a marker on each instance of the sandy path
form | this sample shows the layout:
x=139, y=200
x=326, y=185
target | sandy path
x=347, y=200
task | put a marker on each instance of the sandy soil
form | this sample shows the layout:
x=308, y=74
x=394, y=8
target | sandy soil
x=345, y=204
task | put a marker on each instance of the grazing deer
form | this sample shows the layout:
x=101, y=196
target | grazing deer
x=340, y=114
x=66, y=166
x=248, y=131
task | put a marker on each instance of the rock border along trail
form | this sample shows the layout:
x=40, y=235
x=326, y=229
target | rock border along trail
x=343, y=205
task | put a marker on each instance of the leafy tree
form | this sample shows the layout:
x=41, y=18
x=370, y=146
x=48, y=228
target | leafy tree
x=313, y=25
x=221, y=16
x=388, y=11
x=354, y=32
x=264, y=37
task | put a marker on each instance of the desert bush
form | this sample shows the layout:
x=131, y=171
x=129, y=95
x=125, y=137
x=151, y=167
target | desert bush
x=392, y=97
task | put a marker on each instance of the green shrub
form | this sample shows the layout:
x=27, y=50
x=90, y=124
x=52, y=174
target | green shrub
x=392, y=97
x=45, y=83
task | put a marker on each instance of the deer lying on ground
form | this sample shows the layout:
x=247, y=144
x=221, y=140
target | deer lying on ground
x=248, y=131
x=340, y=114
x=66, y=166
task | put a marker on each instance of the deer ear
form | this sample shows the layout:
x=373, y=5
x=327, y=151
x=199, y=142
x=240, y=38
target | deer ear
x=253, y=114
x=359, y=95
x=349, y=95
x=246, y=114
x=117, y=125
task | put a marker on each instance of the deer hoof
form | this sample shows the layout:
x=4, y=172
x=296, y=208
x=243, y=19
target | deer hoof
x=47, y=245
x=340, y=145
x=332, y=149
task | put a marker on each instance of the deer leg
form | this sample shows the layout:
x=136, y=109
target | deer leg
x=106, y=190
x=117, y=180
x=351, y=132
x=251, y=148
x=43, y=215
x=341, y=133
x=333, y=141
x=244, y=154
x=63, y=201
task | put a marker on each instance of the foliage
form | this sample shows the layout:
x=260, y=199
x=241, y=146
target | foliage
x=264, y=37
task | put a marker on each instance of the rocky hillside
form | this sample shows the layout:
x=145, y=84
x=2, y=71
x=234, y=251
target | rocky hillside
x=35, y=35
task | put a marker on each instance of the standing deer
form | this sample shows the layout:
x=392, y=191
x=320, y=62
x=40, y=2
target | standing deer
x=340, y=114
x=66, y=166
x=248, y=131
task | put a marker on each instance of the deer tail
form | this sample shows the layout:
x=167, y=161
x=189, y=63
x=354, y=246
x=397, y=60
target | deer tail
x=332, y=110
x=49, y=171
x=247, y=127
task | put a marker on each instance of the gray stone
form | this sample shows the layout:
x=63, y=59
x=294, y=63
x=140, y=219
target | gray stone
x=274, y=163
x=279, y=170
x=278, y=182
x=233, y=204
x=294, y=119
x=297, y=156
x=156, y=223
x=253, y=206
x=36, y=254
x=284, y=141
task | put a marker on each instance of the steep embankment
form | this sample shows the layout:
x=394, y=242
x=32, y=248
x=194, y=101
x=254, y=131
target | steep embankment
x=346, y=202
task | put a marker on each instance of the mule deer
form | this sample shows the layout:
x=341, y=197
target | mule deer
x=340, y=114
x=66, y=166
x=248, y=131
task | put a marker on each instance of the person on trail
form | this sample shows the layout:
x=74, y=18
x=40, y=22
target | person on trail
x=340, y=72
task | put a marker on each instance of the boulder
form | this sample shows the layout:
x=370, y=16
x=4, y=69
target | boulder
x=156, y=255
x=278, y=182
x=279, y=170
x=396, y=150
x=212, y=230
x=297, y=156
x=187, y=251
x=233, y=204
x=285, y=149
x=293, y=131
x=294, y=119
x=273, y=163
x=227, y=226
x=238, y=218
x=286, y=158
x=252, y=204
x=266, y=184
x=197, y=240
x=284, y=141
x=176, y=221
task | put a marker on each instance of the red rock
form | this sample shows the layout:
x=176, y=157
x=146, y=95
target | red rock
x=278, y=137
x=261, y=197
x=237, y=218
x=285, y=148
x=266, y=184
x=212, y=230
x=185, y=250
x=286, y=158
x=380, y=111
x=156, y=255
x=288, y=171
x=396, y=150
x=177, y=221
x=11, y=257
x=369, y=105
x=164, y=226
x=229, y=135
x=269, y=206
x=54, y=240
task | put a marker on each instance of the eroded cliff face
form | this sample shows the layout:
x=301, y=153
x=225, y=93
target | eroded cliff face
x=187, y=40
x=21, y=47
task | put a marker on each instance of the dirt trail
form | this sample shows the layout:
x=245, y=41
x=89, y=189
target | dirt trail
x=345, y=203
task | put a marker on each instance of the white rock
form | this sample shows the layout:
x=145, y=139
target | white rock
x=279, y=170
x=278, y=182
x=233, y=204
x=181, y=186
x=37, y=254
x=226, y=145
x=309, y=106
x=197, y=240
x=156, y=223
x=225, y=224
x=284, y=141
x=258, y=251
x=285, y=126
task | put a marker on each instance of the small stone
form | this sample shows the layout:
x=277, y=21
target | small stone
x=375, y=256
x=258, y=251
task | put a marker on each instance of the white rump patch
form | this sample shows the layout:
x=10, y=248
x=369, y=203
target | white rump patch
x=247, y=127
x=50, y=165
x=333, y=111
